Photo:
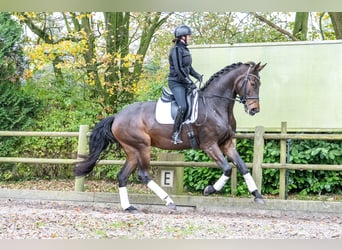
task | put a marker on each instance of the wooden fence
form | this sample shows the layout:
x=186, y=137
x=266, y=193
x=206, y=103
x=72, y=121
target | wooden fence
x=259, y=136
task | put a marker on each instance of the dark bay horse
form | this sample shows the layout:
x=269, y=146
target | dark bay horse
x=136, y=130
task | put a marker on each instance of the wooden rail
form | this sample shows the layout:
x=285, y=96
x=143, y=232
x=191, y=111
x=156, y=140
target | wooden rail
x=259, y=136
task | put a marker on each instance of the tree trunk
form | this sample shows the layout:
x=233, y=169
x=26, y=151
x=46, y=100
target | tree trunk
x=117, y=41
x=117, y=45
x=152, y=24
x=300, y=29
x=336, y=19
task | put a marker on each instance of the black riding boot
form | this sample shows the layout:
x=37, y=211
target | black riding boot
x=177, y=127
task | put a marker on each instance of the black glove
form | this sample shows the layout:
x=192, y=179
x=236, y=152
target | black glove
x=192, y=86
x=189, y=81
x=199, y=77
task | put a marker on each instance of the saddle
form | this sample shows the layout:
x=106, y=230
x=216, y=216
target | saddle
x=166, y=108
x=166, y=111
x=167, y=96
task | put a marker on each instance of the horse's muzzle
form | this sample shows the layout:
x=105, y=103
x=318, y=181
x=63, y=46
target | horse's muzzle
x=252, y=108
x=253, y=111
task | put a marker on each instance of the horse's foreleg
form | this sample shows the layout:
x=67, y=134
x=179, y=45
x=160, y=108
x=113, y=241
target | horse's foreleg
x=234, y=156
x=215, y=153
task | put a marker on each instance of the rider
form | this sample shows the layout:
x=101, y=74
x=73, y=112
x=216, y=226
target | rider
x=179, y=81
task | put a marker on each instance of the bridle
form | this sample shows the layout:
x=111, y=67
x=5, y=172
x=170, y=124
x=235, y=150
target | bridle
x=241, y=99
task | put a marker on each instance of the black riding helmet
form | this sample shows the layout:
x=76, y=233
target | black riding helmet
x=182, y=30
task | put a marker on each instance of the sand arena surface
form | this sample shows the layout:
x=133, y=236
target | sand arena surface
x=21, y=219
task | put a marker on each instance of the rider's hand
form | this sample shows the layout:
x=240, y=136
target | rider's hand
x=199, y=78
x=193, y=86
x=189, y=81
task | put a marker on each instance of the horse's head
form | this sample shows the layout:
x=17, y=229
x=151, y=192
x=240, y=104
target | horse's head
x=247, y=87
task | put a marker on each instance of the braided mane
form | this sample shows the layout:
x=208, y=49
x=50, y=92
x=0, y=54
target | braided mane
x=223, y=71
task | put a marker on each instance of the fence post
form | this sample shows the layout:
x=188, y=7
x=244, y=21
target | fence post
x=171, y=178
x=258, y=155
x=233, y=181
x=282, y=171
x=233, y=177
x=82, y=150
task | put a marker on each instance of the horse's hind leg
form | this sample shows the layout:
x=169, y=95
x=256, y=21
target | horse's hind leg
x=123, y=176
x=144, y=176
x=234, y=156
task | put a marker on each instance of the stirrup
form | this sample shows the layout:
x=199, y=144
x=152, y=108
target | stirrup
x=175, y=139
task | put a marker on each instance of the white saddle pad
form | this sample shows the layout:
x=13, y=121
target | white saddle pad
x=163, y=112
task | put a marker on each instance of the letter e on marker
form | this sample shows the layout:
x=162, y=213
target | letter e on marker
x=167, y=178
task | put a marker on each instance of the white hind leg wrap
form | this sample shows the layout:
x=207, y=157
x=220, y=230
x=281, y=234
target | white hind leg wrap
x=124, y=198
x=220, y=182
x=250, y=182
x=159, y=192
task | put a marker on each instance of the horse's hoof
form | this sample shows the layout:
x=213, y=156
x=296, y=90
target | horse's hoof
x=259, y=201
x=171, y=206
x=131, y=210
x=209, y=190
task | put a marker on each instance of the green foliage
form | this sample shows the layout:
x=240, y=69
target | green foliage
x=316, y=181
x=233, y=27
x=270, y=177
x=196, y=179
x=327, y=152
x=11, y=56
x=18, y=112
x=17, y=108
x=151, y=82
x=306, y=181
x=302, y=152
x=65, y=109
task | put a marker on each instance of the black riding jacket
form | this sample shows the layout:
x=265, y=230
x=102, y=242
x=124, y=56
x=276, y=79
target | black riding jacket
x=180, y=65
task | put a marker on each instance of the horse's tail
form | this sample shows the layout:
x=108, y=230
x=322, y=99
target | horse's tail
x=100, y=138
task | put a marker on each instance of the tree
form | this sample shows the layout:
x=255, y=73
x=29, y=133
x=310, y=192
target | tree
x=336, y=19
x=274, y=26
x=11, y=56
x=99, y=46
x=41, y=24
x=300, y=28
x=17, y=109
x=124, y=68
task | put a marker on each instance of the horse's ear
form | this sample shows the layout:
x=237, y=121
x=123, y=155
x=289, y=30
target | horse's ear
x=259, y=67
